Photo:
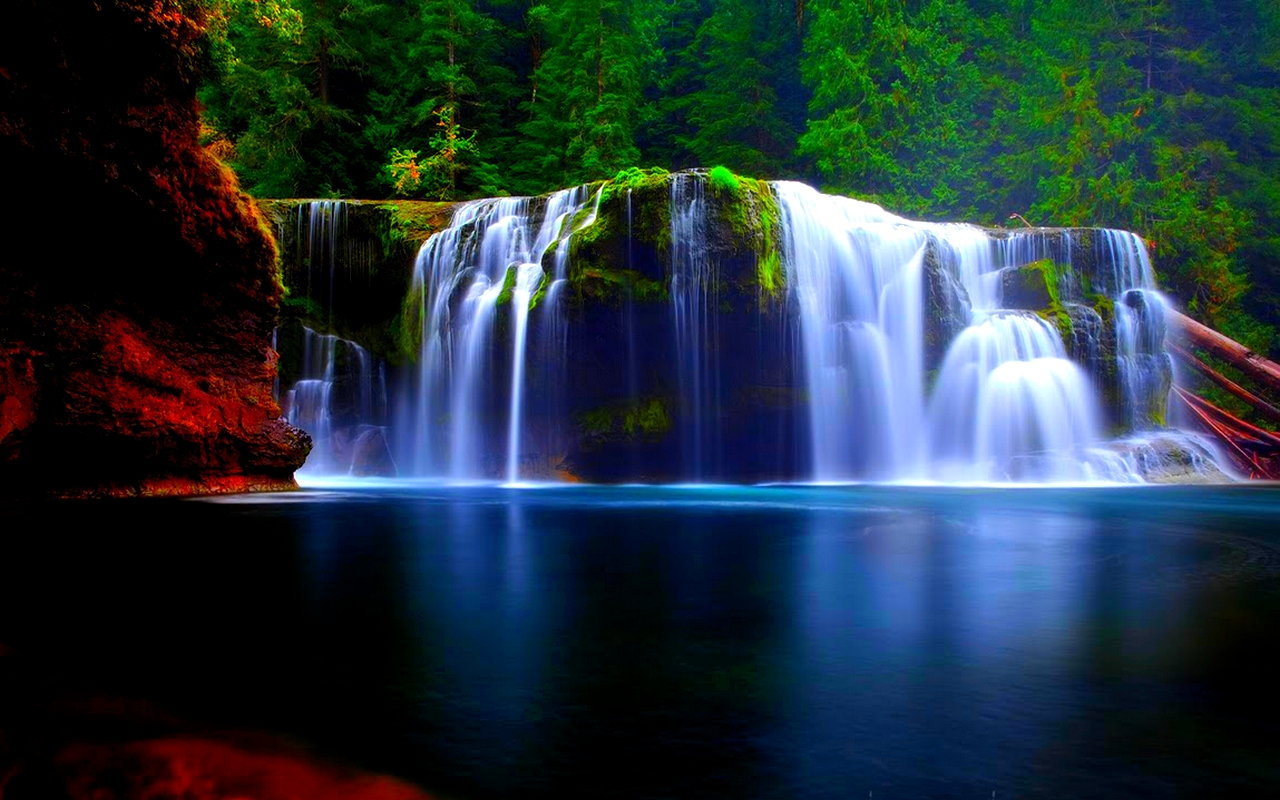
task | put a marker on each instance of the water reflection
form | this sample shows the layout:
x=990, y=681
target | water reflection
x=628, y=641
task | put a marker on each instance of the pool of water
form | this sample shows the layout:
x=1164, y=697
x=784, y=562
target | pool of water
x=809, y=642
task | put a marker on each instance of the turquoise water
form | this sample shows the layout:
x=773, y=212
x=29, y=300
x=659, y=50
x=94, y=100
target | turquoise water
x=821, y=642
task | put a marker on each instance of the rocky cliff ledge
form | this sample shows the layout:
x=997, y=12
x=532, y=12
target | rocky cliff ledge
x=140, y=287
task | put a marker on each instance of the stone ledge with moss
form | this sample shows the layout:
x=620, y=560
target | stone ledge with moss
x=347, y=266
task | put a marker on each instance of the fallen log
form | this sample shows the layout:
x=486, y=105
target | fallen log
x=1245, y=460
x=1227, y=421
x=1256, y=403
x=1262, y=370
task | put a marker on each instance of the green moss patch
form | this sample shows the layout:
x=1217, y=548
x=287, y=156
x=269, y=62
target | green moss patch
x=645, y=420
x=723, y=181
x=635, y=179
x=614, y=286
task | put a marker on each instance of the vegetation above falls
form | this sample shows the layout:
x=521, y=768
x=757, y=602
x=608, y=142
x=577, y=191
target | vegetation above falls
x=1159, y=117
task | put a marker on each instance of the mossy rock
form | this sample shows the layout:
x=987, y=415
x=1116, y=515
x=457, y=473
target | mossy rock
x=1031, y=287
x=644, y=420
x=359, y=290
x=631, y=236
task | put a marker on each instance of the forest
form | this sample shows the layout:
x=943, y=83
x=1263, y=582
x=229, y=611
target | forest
x=1157, y=116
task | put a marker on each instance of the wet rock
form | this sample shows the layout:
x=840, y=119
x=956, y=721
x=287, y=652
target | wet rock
x=1026, y=288
x=370, y=454
x=947, y=305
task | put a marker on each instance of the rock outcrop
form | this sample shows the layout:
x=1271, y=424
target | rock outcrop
x=135, y=331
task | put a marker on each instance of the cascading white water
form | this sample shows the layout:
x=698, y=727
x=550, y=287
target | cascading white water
x=326, y=224
x=1001, y=402
x=528, y=276
x=854, y=275
x=459, y=279
x=1145, y=368
x=1005, y=391
x=1035, y=421
x=694, y=305
x=1130, y=262
x=337, y=399
x=1006, y=404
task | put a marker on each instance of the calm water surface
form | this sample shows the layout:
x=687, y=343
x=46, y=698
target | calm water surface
x=822, y=642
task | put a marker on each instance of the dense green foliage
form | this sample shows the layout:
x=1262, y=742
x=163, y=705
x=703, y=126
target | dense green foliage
x=1160, y=116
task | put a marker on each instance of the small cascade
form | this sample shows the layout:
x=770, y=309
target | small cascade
x=1035, y=421
x=528, y=276
x=1144, y=366
x=694, y=299
x=468, y=430
x=491, y=255
x=340, y=399
x=1169, y=456
x=1130, y=263
x=326, y=224
x=855, y=283
x=1005, y=392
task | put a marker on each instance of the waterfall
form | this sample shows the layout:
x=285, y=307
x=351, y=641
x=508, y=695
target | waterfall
x=1006, y=402
x=326, y=225
x=855, y=281
x=528, y=276
x=340, y=399
x=491, y=256
x=1145, y=368
x=896, y=349
x=1005, y=392
x=694, y=302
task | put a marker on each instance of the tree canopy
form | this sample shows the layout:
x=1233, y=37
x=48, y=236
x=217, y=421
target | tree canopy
x=1160, y=116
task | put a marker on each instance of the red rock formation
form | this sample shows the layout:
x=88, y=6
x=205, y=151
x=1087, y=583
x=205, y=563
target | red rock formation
x=201, y=769
x=139, y=287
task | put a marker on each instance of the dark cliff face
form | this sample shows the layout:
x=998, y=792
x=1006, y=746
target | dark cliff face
x=135, y=325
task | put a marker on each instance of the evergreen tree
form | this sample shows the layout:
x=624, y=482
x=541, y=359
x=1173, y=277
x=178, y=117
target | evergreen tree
x=894, y=94
x=582, y=114
x=738, y=61
x=285, y=105
x=434, y=85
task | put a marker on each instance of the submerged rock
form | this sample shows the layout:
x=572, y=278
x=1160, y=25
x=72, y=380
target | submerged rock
x=370, y=453
x=1171, y=457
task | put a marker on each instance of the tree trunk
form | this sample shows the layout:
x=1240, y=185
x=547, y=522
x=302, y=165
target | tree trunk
x=600, y=61
x=1228, y=422
x=453, y=32
x=1257, y=403
x=1264, y=371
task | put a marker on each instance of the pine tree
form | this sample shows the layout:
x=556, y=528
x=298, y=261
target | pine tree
x=737, y=65
x=582, y=112
x=894, y=96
